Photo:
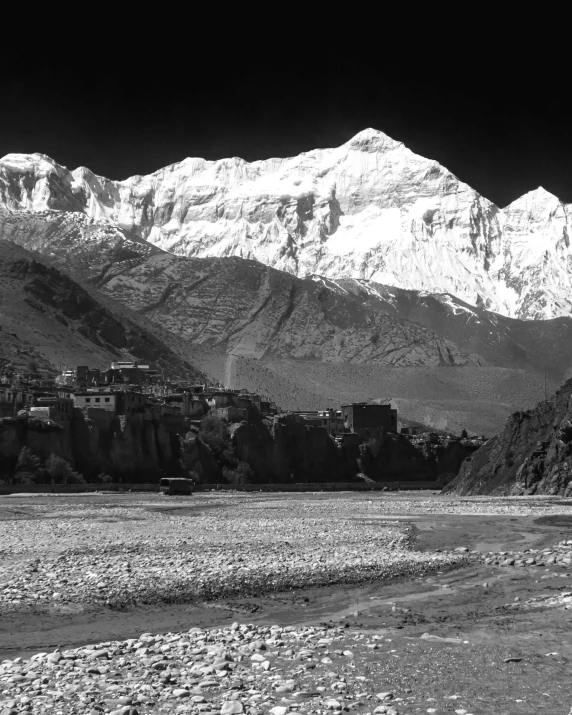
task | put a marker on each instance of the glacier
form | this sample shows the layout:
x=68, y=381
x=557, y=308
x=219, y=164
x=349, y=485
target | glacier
x=370, y=209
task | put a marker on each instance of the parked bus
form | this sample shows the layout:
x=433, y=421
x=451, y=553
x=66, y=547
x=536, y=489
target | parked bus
x=176, y=485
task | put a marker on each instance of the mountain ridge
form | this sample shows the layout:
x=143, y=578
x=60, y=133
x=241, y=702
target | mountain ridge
x=369, y=209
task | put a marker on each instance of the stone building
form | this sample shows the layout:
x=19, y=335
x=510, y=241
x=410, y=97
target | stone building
x=369, y=420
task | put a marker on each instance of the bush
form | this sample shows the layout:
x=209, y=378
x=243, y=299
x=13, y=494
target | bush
x=243, y=474
x=214, y=433
x=105, y=478
x=27, y=467
x=246, y=471
x=61, y=471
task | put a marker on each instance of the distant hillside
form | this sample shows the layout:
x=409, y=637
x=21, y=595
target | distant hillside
x=47, y=317
x=445, y=398
x=237, y=305
x=503, y=342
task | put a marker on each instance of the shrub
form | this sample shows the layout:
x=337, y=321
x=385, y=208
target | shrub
x=246, y=471
x=27, y=461
x=214, y=433
x=61, y=471
x=243, y=474
x=27, y=467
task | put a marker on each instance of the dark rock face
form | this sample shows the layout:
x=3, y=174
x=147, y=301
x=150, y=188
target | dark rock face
x=131, y=449
x=532, y=454
x=427, y=457
x=290, y=451
x=196, y=457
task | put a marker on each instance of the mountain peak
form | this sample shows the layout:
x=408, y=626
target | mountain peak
x=535, y=196
x=372, y=140
x=25, y=162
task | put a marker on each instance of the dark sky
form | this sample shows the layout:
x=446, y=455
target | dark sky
x=500, y=123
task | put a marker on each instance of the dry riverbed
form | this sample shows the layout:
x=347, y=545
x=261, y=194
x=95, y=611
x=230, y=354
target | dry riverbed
x=263, y=604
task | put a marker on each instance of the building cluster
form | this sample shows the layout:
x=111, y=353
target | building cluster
x=126, y=388
x=365, y=419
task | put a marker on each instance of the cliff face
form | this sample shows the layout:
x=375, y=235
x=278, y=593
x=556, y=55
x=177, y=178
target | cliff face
x=290, y=451
x=132, y=448
x=531, y=455
x=43, y=439
x=425, y=458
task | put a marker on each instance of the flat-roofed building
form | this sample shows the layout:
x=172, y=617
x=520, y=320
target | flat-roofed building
x=369, y=420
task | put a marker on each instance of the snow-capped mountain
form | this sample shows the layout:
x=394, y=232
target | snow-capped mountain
x=370, y=209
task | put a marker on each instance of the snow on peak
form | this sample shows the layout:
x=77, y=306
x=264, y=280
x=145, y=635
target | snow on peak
x=536, y=196
x=372, y=140
x=39, y=163
x=369, y=209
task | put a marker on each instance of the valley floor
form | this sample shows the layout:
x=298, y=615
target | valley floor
x=371, y=605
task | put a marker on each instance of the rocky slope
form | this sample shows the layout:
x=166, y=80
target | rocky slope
x=250, y=309
x=531, y=455
x=369, y=209
x=47, y=317
x=538, y=345
x=238, y=306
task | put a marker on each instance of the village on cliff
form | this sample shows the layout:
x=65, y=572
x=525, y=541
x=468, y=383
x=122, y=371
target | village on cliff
x=129, y=424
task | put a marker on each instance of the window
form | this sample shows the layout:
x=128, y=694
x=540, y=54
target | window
x=98, y=399
x=88, y=399
x=106, y=399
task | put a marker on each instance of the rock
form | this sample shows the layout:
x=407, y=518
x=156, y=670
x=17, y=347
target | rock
x=278, y=710
x=232, y=707
x=384, y=696
x=184, y=693
x=333, y=704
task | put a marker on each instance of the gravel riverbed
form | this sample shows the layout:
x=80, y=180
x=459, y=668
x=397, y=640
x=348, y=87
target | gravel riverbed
x=240, y=669
x=116, y=553
x=160, y=550
x=139, y=553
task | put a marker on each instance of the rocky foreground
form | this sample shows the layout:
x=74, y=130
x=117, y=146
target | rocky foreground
x=240, y=669
x=103, y=554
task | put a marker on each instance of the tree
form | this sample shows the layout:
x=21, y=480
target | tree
x=243, y=474
x=61, y=471
x=214, y=433
x=464, y=434
x=27, y=467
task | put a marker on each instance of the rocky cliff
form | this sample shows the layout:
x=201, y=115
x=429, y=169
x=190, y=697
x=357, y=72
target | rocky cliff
x=369, y=209
x=287, y=450
x=531, y=455
x=131, y=449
